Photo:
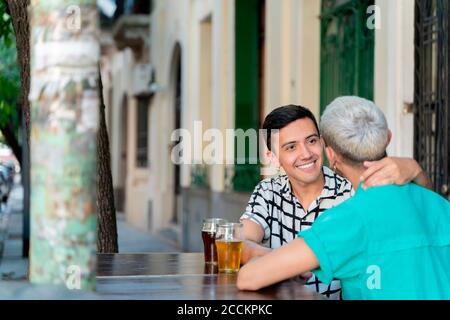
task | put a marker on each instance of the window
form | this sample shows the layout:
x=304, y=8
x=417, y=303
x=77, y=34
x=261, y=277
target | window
x=142, y=133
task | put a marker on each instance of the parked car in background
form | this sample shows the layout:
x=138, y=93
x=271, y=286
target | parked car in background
x=7, y=171
x=8, y=168
x=4, y=192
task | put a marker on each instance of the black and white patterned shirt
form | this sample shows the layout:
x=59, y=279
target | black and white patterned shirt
x=275, y=208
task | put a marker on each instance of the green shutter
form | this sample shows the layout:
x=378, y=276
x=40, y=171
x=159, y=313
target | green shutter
x=246, y=83
x=347, y=51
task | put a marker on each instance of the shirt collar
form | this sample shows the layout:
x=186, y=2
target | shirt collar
x=332, y=184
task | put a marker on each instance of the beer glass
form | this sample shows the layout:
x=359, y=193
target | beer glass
x=209, y=230
x=229, y=239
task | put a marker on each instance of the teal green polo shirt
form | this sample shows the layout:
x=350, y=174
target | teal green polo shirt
x=389, y=242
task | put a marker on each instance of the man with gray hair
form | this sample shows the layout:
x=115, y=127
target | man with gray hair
x=380, y=242
x=356, y=128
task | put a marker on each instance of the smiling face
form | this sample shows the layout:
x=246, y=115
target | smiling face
x=298, y=149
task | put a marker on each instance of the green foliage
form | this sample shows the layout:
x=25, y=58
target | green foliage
x=9, y=71
x=6, y=29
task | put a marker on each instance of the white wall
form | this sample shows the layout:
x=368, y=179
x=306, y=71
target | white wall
x=222, y=113
x=121, y=77
x=170, y=25
x=308, y=55
x=293, y=54
x=394, y=71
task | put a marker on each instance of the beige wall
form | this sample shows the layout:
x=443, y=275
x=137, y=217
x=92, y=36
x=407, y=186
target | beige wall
x=394, y=71
x=222, y=108
x=170, y=23
x=293, y=54
x=117, y=67
x=308, y=55
x=120, y=82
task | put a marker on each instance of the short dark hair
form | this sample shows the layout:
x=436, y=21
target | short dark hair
x=282, y=116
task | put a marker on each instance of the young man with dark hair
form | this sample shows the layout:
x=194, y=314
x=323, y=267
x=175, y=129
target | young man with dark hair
x=286, y=204
x=386, y=242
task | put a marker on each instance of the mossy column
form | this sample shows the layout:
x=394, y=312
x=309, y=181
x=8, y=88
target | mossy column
x=64, y=122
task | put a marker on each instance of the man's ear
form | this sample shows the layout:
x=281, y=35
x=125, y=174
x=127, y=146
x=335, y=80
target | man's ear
x=389, y=137
x=273, y=158
x=322, y=142
x=331, y=155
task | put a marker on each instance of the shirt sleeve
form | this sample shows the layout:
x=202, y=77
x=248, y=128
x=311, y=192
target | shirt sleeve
x=257, y=209
x=338, y=238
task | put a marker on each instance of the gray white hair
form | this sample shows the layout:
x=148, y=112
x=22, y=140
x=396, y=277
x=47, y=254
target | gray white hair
x=355, y=128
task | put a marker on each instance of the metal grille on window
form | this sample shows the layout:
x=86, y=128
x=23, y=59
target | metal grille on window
x=432, y=90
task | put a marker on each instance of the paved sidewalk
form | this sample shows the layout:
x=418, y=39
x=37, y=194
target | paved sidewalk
x=12, y=265
x=132, y=239
x=14, y=268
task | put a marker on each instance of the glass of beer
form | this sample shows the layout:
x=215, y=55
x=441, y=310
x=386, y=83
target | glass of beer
x=209, y=230
x=229, y=239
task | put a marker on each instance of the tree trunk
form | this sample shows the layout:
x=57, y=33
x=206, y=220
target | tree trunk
x=107, y=227
x=20, y=21
x=25, y=180
x=65, y=110
x=17, y=9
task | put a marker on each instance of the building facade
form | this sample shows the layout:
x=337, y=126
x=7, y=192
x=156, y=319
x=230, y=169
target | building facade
x=225, y=64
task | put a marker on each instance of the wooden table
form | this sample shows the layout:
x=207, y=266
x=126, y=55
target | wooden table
x=180, y=276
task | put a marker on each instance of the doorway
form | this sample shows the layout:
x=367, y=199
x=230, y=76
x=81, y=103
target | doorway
x=177, y=101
